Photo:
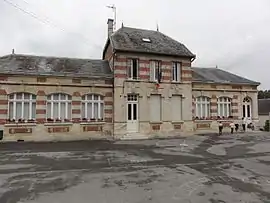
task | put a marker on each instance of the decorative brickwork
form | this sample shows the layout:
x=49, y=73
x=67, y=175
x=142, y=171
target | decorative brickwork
x=20, y=130
x=89, y=128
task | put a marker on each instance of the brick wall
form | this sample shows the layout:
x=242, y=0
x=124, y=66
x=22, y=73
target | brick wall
x=120, y=67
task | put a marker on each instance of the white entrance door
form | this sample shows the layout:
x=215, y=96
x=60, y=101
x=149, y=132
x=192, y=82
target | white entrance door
x=247, y=113
x=132, y=113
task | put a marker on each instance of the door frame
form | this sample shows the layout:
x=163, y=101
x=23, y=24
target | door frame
x=247, y=102
x=132, y=99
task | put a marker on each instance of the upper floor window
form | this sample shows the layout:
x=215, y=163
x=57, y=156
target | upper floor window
x=155, y=71
x=224, y=106
x=202, y=107
x=92, y=107
x=176, y=72
x=22, y=106
x=133, y=68
x=59, y=106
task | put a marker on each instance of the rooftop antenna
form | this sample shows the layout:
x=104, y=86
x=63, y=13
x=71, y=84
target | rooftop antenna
x=157, y=27
x=114, y=15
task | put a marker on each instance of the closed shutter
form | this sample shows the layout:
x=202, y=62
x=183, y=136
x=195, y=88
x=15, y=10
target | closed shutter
x=129, y=71
x=176, y=108
x=152, y=71
x=155, y=108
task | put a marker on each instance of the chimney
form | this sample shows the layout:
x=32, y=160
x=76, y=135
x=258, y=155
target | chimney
x=13, y=51
x=110, y=27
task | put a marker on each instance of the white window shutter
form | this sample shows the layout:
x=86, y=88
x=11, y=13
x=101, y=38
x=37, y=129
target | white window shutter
x=152, y=66
x=176, y=108
x=155, y=108
x=129, y=71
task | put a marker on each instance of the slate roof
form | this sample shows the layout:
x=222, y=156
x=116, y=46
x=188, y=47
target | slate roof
x=215, y=75
x=131, y=39
x=263, y=106
x=41, y=65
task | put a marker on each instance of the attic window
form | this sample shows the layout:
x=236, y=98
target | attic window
x=146, y=40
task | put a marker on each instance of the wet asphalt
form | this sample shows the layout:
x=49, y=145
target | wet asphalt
x=196, y=169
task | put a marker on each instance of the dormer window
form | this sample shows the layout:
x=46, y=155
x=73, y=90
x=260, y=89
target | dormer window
x=146, y=40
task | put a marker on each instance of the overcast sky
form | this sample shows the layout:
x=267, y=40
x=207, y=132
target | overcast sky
x=233, y=34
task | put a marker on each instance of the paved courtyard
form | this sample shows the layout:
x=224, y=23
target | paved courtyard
x=197, y=169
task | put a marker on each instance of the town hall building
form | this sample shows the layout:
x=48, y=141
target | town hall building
x=143, y=86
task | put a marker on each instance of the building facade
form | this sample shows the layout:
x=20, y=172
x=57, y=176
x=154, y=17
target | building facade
x=145, y=85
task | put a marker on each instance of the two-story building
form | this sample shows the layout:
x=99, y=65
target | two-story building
x=145, y=85
x=157, y=92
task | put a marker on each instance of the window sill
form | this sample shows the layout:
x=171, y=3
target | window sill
x=92, y=123
x=19, y=124
x=175, y=122
x=156, y=122
x=57, y=124
x=134, y=80
x=203, y=120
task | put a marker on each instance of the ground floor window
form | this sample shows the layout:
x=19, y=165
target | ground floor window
x=155, y=108
x=176, y=108
x=224, y=107
x=92, y=107
x=202, y=106
x=22, y=106
x=59, y=106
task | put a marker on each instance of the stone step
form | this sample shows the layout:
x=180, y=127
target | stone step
x=134, y=136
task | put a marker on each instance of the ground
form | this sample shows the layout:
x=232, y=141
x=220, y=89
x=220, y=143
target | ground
x=195, y=169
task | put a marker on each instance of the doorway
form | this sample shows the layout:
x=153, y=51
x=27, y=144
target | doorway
x=247, y=110
x=132, y=113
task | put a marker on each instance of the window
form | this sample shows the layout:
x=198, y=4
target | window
x=22, y=106
x=202, y=107
x=146, y=40
x=92, y=107
x=133, y=67
x=224, y=106
x=176, y=72
x=59, y=106
x=176, y=108
x=155, y=71
x=155, y=108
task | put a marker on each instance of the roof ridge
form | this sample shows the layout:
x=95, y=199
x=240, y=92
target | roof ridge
x=52, y=57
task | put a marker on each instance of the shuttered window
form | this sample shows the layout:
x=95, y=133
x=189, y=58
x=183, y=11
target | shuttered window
x=176, y=108
x=155, y=108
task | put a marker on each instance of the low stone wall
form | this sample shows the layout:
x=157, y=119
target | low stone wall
x=56, y=131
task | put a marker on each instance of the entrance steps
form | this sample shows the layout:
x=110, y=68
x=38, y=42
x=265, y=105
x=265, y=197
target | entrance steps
x=134, y=136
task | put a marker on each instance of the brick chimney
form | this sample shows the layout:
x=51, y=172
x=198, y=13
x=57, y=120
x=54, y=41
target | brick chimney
x=110, y=27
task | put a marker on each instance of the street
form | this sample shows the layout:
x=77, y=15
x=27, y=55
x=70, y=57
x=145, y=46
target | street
x=195, y=169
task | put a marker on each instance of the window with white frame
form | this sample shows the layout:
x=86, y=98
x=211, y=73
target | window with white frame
x=155, y=68
x=22, y=106
x=224, y=106
x=133, y=68
x=59, y=106
x=176, y=72
x=92, y=107
x=202, y=105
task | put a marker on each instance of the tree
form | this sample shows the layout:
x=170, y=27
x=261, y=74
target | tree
x=264, y=94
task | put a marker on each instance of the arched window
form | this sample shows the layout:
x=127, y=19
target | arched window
x=92, y=107
x=22, y=106
x=247, y=110
x=224, y=106
x=202, y=105
x=59, y=106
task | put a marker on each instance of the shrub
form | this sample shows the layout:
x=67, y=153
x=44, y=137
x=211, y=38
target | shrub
x=266, y=126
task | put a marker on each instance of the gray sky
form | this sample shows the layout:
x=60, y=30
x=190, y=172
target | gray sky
x=233, y=34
